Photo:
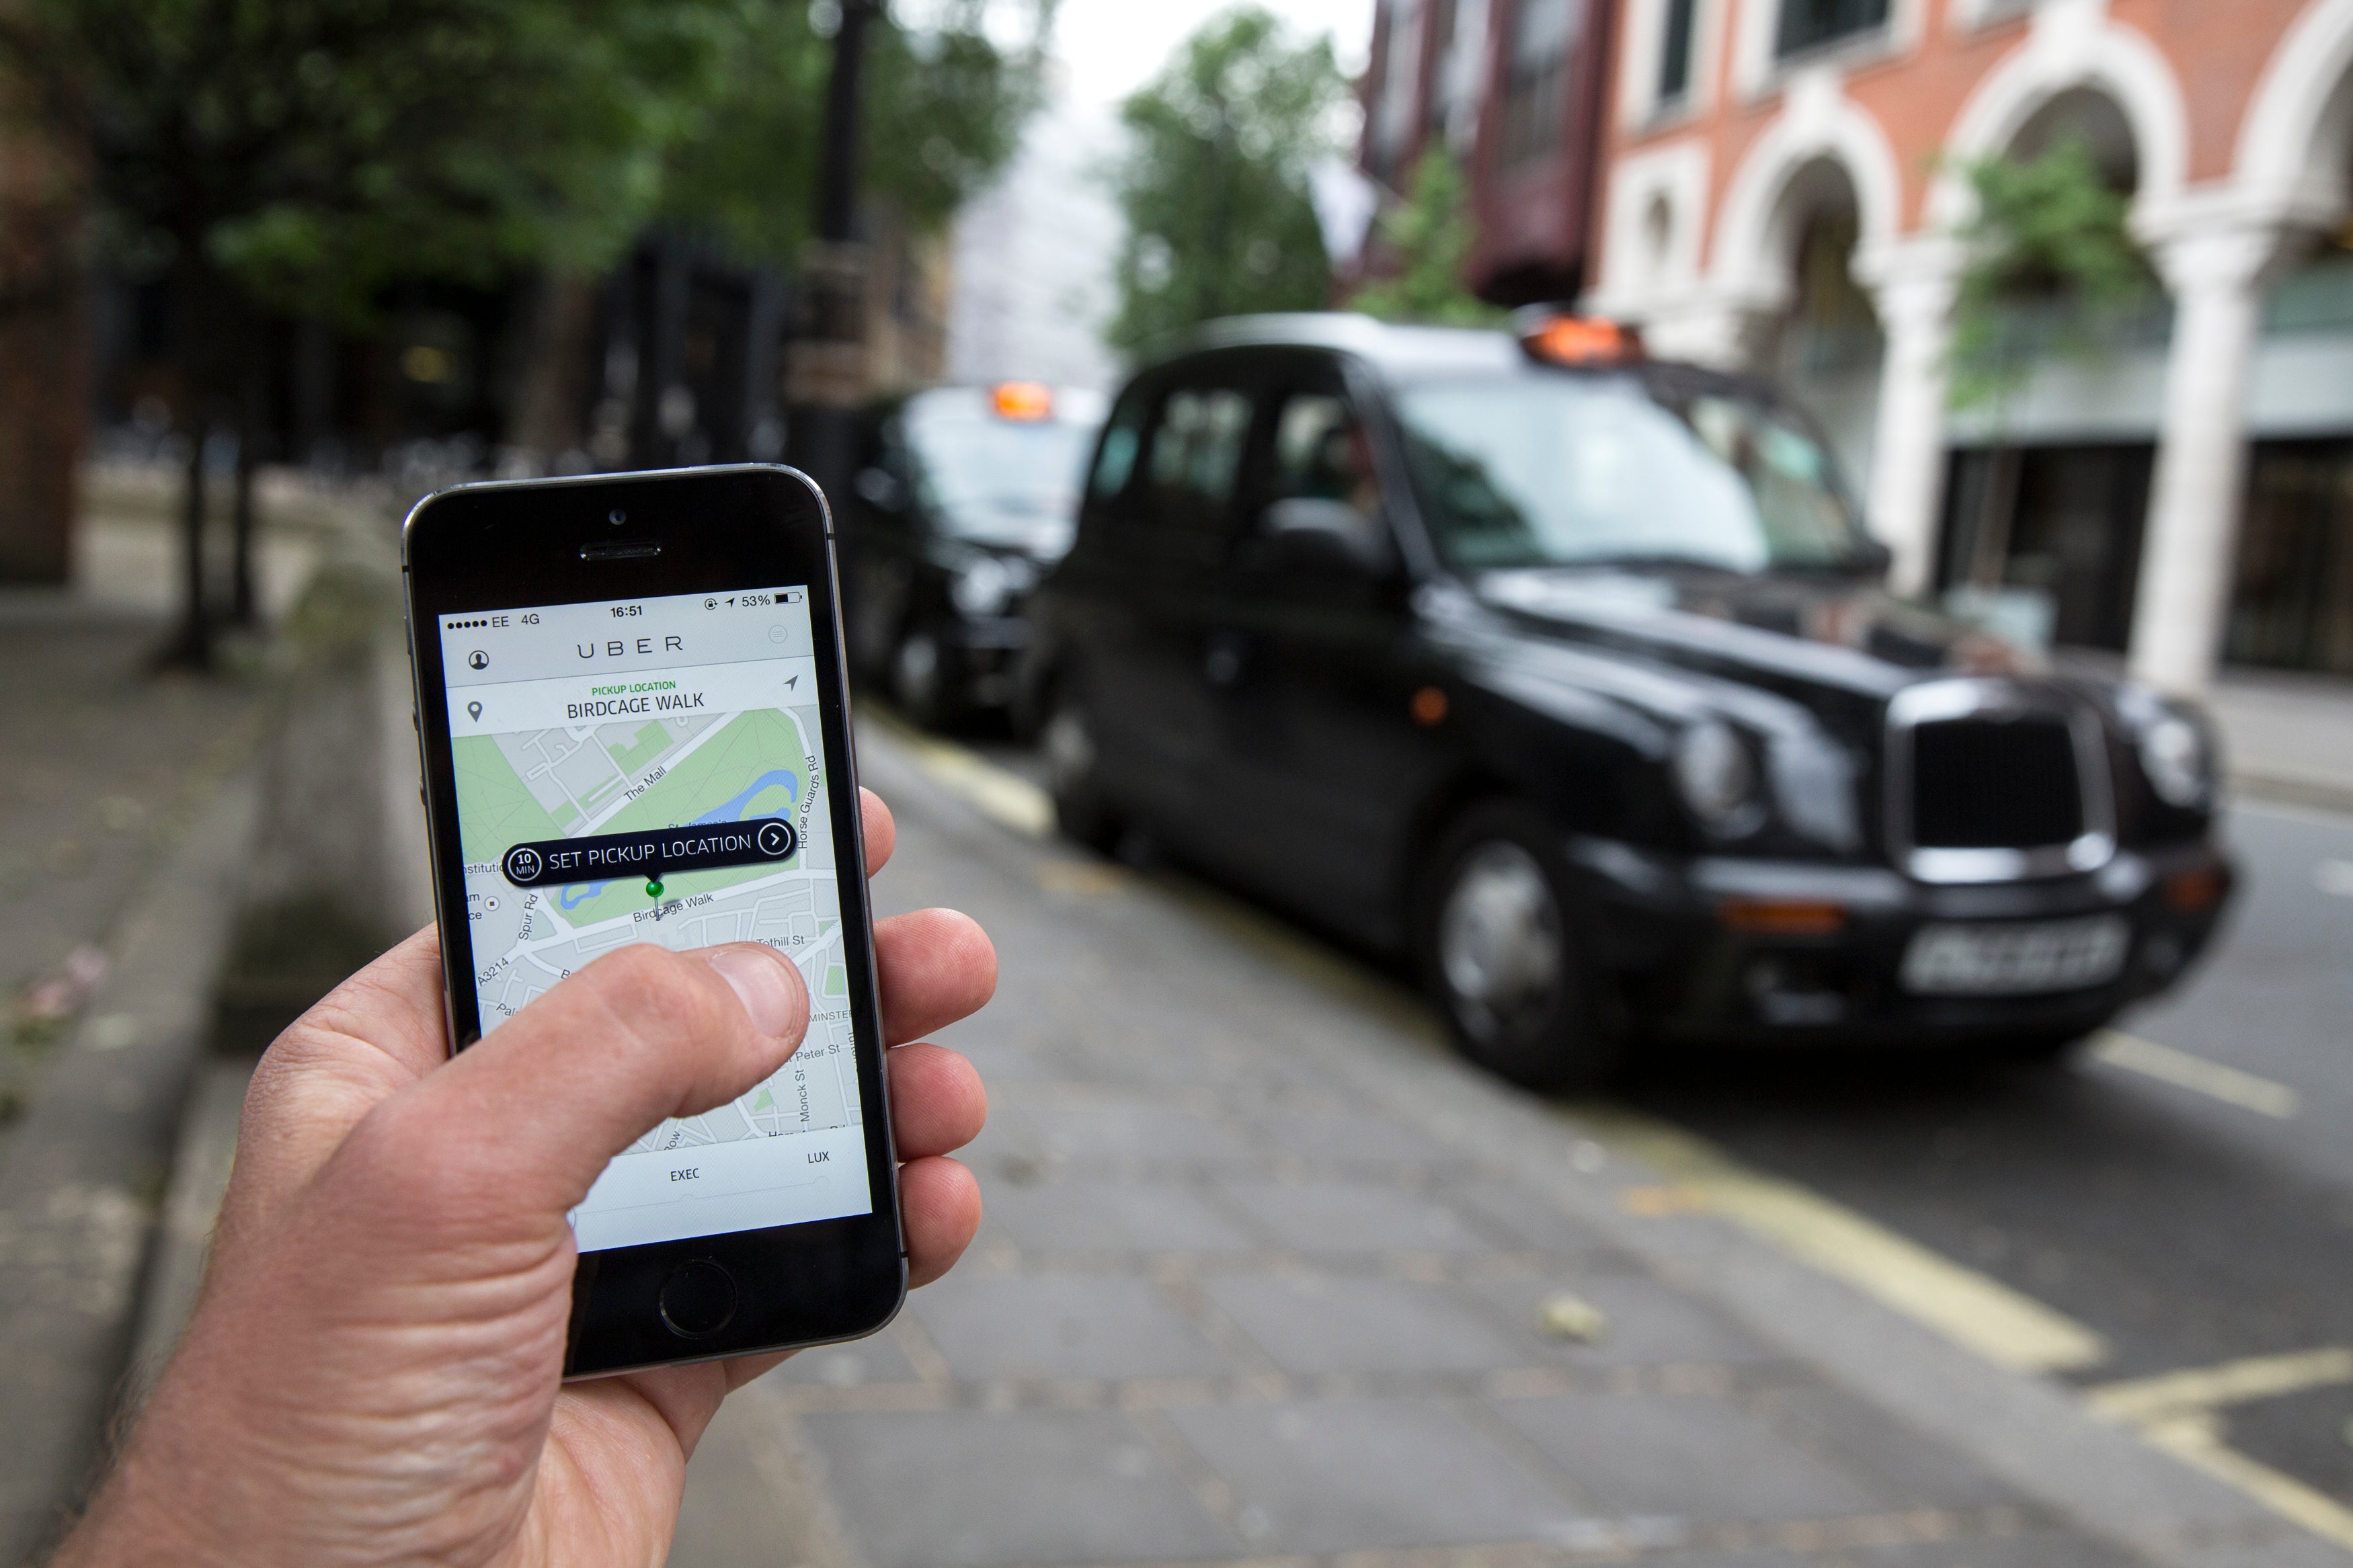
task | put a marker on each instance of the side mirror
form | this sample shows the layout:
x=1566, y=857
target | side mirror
x=1311, y=533
x=1870, y=559
x=880, y=490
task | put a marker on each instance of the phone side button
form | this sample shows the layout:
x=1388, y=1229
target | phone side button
x=698, y=1300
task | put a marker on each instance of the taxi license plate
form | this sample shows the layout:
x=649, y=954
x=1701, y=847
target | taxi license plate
x=2016, y=960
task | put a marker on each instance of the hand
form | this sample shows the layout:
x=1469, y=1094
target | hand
x=372, y=1373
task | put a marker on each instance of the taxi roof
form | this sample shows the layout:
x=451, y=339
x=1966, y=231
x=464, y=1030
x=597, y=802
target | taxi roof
x=1396, y=350
x=1403, y=354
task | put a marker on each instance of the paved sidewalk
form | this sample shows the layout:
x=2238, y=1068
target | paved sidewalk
x=2287, y=737
x=1266, y=1277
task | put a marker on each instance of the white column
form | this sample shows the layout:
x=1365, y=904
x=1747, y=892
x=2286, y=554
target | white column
x=1915, y=300
x=2189, y=552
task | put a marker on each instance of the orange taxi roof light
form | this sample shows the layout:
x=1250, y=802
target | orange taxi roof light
x=1577, y=339
x=1022, y=400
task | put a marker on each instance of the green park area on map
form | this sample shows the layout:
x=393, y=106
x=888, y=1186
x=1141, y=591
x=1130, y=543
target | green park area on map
x=497, y=810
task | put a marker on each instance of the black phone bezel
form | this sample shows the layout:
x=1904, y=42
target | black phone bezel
x=506, y=546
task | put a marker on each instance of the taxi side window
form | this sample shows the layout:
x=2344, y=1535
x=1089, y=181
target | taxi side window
x=1321, y=454
x=1196, y=455
x=1122, y=439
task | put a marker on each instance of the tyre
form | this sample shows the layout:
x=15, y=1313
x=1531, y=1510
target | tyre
x=1066, y=740
x=1501, y=936
x=919, y=678
x=2033, y=1049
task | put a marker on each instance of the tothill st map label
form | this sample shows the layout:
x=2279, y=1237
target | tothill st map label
x=558, y=861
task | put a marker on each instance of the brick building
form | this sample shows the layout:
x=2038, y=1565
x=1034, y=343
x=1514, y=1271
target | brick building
x=1514, y=89
x=1782, y=182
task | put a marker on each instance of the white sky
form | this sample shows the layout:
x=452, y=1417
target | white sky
x=1111, y=48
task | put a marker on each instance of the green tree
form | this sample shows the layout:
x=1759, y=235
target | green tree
x=297, y=155
x=2052, y=266
x=1214, y=186
x=945, y=109
x=1424, y=243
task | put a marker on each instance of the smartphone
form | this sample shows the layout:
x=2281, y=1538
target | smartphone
x=635, y=728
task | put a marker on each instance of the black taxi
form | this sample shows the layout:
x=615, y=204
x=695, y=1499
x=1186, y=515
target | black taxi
x=962, y=497
x=1570, y=676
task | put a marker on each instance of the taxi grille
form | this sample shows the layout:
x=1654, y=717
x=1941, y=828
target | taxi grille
x=1995, y=784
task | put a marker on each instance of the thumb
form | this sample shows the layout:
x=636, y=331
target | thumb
x=528, y=1117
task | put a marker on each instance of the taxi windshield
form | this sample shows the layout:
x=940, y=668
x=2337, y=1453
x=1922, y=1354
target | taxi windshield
x=1570, y=470
x=992, y=479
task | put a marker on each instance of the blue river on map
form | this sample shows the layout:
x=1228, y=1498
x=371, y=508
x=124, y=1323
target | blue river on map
x=732, y=811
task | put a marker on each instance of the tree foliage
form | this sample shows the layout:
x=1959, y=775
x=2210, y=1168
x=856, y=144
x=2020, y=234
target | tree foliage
x=308, y=151
x=1425, y=241
x=1214, y=185
x=945, y=108
x=2053, y=266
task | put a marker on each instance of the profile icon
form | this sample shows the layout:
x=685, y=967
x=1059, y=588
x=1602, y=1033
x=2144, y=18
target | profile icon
x=479, y=659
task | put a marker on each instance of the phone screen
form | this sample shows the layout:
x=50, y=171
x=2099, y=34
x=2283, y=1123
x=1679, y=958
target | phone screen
x=654, y=770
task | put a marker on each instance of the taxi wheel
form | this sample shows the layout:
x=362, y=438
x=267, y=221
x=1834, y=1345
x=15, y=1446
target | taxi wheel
x=2040, y=1048
x=1500, y=937
x=1074, y=772
x=919, y=678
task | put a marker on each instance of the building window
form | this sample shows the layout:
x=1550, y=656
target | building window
x=1442, y=26
x=1811, y=24
x=1542, y=47
x=1400, y=84
x=1675, y=52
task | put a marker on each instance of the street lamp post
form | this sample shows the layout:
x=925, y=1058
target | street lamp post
x=825, y=380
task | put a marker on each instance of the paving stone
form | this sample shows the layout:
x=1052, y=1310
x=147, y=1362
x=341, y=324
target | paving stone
x=1355, y=1217
x=1695, y=1456
x=1894, y=1459
x=1312, y=1324
x=1525, y=1222
x=1346, y=1137
x=974, y=1489
x=1061, y=1326
x=1059, y=1122
x=2008, y=1551
x=874, y=1359
x=1356, y=1474
x=1649, y=1323
x=1158, y=1217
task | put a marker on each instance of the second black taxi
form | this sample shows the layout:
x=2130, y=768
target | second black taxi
x=962, y=499
x=1572, y=676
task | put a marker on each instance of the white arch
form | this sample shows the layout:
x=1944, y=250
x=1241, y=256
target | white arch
x=1753, y=259
x=2071, y=47
x=2281, y=162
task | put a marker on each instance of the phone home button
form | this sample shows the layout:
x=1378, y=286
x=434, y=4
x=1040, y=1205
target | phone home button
x=698, y=1300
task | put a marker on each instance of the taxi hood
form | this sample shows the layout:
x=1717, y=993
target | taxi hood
x=1782, y=630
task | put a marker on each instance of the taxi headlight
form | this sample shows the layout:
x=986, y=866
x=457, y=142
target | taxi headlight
x=1716, y=777
x=984, y=588
x=2177, y=760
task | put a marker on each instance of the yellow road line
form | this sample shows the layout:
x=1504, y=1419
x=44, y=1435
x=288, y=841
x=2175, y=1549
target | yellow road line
x=1001, y=797
x=2197, y=1440
x=2234, y=1382
x=2182, y=1071
x=1978, y=1313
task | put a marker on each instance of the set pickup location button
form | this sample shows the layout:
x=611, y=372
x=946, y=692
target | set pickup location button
x=558, y=862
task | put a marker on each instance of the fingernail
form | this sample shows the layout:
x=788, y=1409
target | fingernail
x=759, y=980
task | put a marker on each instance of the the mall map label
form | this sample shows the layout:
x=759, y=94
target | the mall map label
x=559, y=861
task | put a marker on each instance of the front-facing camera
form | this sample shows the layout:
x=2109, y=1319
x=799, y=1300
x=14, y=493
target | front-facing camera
x=618, y=516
